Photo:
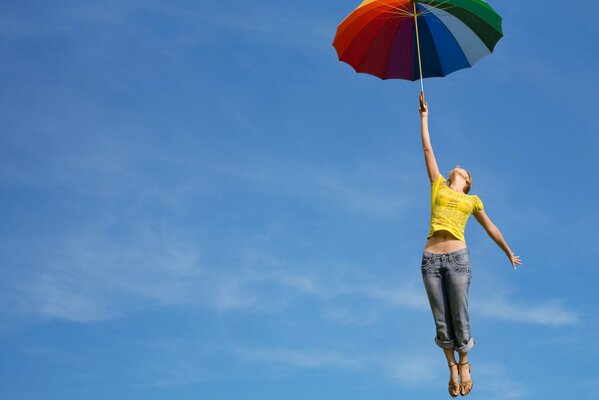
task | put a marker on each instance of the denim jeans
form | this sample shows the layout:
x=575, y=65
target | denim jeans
x=447, y=280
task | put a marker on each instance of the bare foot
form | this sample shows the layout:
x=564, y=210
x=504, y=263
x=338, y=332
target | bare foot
x=454, y=386
x=465, y=379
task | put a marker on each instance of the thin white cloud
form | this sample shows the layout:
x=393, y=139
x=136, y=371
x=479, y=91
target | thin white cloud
x=414, y=370
x=363, y=189
x=493, y=380
x=301, y=283
x=403, y=369
x=112, y=170
x=550, y=313
x=363, y=200
x=411, y=296
x=319, y=358
x=404, y=296
x=93, y=276
x=349, y=316
x=229, y=295
x=63, y=297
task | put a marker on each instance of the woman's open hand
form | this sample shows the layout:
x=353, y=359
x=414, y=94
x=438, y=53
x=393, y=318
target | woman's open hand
x=514, y=259
x=423, y=106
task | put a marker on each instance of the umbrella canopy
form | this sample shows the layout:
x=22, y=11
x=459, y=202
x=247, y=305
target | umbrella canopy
x=386, y=38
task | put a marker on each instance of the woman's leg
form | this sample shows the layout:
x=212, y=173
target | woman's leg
x=435, y=285
x=463, y=359
x=454, y=388
x=450, y=355
x=465, y=378
x=457, y=282
x=458, y=279
x=436, y=288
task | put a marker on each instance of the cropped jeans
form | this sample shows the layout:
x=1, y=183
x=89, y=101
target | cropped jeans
x=447, y=280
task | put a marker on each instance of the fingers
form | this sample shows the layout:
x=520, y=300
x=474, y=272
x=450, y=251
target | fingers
x=423, y=105
x=515, y=260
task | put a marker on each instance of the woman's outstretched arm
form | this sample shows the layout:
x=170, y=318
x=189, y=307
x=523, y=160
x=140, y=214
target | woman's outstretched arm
x=496, y=235
x=429, y=155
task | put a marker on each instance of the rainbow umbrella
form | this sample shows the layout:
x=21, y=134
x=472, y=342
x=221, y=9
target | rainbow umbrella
x=407, y=39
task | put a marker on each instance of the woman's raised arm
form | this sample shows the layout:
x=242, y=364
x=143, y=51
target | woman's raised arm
x=429, y=155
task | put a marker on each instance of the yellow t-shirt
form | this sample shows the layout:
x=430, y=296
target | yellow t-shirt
x=450, y=209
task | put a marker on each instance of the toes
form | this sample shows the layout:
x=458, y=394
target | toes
x=465, y=389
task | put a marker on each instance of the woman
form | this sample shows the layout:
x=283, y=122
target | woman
x=446, y=263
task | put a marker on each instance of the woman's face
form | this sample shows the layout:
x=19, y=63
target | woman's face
x=459, y=171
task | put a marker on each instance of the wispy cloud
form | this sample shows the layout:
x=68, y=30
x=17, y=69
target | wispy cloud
x=494, y=381
x=321, y=358
x=93, y=276
x=361, y=199
x=413, y=370
x=403, y=369
x=552, y=312
x=491, y=379
x=350, y=316
x=364, y=189
x=405, y=295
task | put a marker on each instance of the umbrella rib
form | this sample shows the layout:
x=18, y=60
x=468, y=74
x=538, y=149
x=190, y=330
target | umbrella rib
x=442, y=12
x=439, y=6
x=401, y=11
x=396, y=14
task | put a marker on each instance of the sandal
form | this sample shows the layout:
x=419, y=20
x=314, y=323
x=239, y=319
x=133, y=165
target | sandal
x=454, y=387
x=466, y=386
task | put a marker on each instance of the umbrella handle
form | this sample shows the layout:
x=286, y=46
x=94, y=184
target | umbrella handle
x=418, y=44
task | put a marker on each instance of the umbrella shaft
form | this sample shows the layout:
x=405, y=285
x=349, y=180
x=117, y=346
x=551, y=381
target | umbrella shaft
x=418, y=45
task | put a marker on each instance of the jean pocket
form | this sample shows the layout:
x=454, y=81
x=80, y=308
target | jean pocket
x=461, y=264
x=426, y=263
x=462, y=260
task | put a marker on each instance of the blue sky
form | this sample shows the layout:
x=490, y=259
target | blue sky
x=200, y=202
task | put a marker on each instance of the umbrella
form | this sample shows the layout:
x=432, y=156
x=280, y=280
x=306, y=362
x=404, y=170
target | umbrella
x=407, y=39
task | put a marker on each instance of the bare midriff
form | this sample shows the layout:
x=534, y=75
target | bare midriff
x=443, y=242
